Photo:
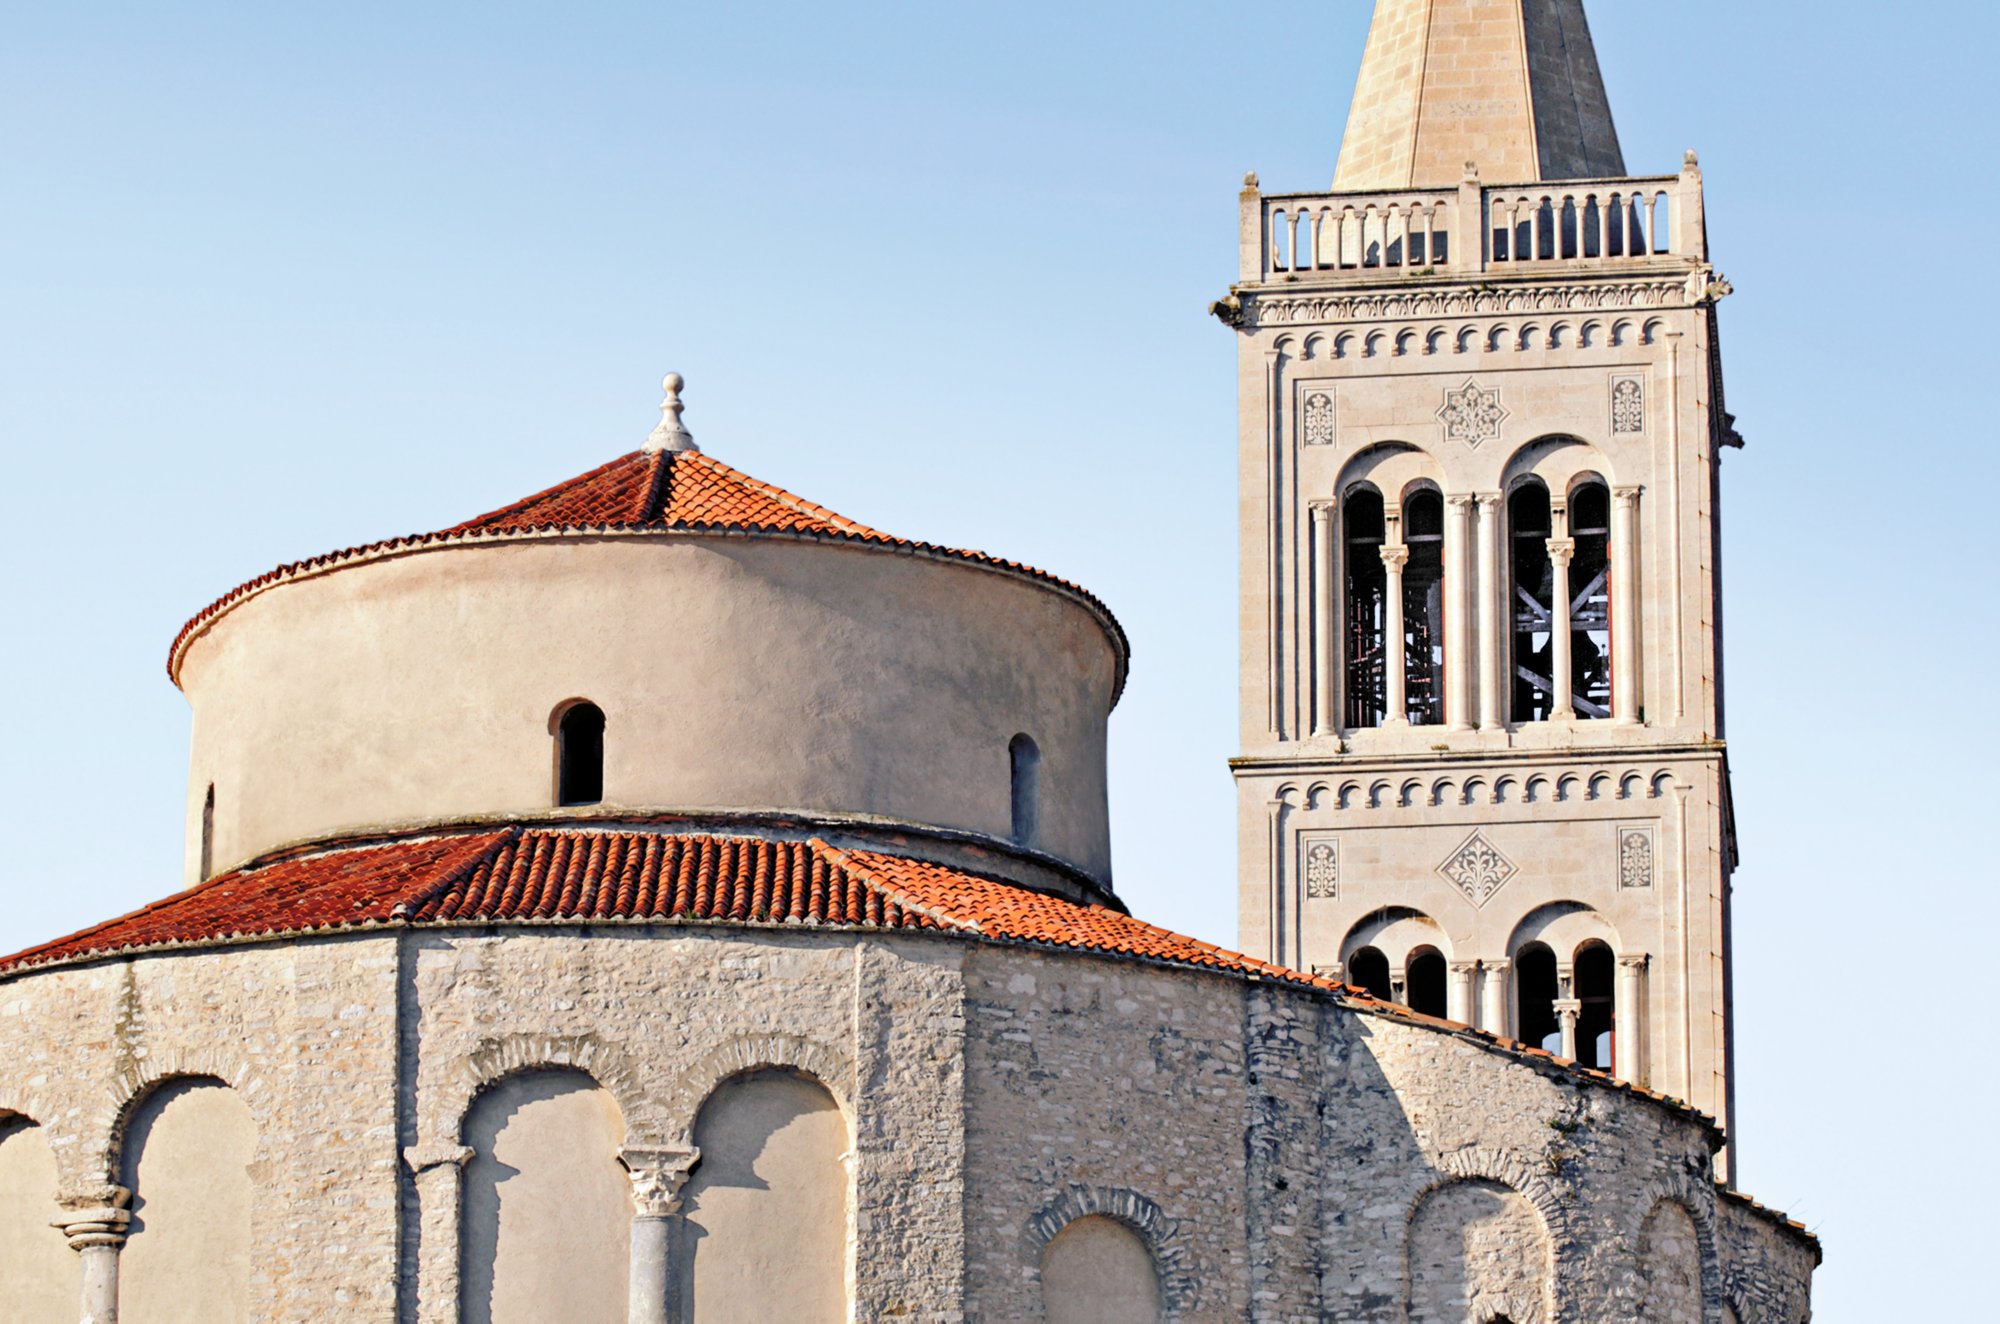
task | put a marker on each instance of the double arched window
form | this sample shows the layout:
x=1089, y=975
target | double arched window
x=1561, y=601
x=1395, y=587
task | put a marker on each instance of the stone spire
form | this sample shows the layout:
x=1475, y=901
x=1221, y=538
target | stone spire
x=1511, y=86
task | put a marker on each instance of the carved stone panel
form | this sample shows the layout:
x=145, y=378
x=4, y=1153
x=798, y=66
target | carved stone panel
x=1635, y=856
x=1477, y=868
x=1320, y=867
x=1471, y=414
x=1628, y=405
x=1316, y=422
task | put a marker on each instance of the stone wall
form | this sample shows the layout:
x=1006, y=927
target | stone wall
x=1280, y=1156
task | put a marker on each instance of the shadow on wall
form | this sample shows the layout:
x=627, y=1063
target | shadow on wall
x=187, y=1150
x=39, y=1274
x=547, y=1208
x=1099, y=1271
x=765, y=1232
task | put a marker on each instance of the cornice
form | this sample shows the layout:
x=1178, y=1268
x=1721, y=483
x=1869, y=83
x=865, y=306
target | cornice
x=1262, y=306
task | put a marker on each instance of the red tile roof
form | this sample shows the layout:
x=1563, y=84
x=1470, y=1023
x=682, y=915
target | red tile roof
x=654, y=492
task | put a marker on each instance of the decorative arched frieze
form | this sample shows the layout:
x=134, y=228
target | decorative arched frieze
x=755, y=1052
x=498, y=1059
x=1697, y=1198
x=1162, y=1235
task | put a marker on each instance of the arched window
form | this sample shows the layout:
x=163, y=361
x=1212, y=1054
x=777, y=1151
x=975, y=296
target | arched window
x=208, y=833
x=1476, y=1250
x=1098, y=1271
x=1368, y=969
x=1537, y=987
x=1531, y=599
x=186, y=1159
x=765, y=1234
x=1423, y=608
x=1361, y=522
x=1590, y=601
x=580, y=754
x=547, y=1209
x=1024, y=763
x=1596, y=1022
x=1425, y=981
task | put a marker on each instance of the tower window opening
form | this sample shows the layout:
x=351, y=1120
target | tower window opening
x=1596, y=1022
x=1538, y=987
x=1532, y=599
x=1590, y=601
x=1024, y=762
x=1368, y=970
x=1423, y=609
x=1425, y=981
x=580, y=754
x=208, y=834
x=1366, y=614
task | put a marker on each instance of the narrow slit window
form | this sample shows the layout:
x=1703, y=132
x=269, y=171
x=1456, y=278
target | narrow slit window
x=1024, y=762
x=1366, y=608
x=580, y=755
x=1423, y=609
x=208, y=833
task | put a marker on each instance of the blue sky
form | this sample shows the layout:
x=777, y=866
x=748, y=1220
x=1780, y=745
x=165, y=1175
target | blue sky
x=276, y=279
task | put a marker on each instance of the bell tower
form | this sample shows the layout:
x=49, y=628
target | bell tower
x=1481, y=415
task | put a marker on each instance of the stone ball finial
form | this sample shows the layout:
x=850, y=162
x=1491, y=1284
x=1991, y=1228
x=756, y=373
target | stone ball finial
x=670, y=435
x=1249, y=181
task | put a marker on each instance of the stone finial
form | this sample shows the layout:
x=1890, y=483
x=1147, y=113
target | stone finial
x=670, y=435
x=1471, y=175
x=1690, y=161
x=1250, y=182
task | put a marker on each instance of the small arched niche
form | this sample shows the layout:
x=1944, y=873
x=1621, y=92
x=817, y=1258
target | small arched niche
x=185, y=1158
x=1669, y=1265
x=1477, y=1251
x=38, y=1271
x=545, y=1230
x=765, y=1232
x=578, y=726
x=1099, y=1271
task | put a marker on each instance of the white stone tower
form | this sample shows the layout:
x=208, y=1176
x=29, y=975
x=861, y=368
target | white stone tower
x=1483, y=767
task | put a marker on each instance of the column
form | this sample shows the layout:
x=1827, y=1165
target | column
x=1629, y=1020
x=1394, y=668
x=1560, y=552
x=95, y=1224
x=438, y=1171
x=1458, y=659
x=1567, y=1011
x=1458, y=992
x=1326, y=666
x=1492, y=616
x=1625, y=660
x=1493, y=999
x=658, y=1173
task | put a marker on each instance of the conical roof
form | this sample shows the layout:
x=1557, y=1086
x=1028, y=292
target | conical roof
x=1511, y=86
x=648, y=491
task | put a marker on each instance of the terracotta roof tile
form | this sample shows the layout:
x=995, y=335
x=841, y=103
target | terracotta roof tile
x=651, y=491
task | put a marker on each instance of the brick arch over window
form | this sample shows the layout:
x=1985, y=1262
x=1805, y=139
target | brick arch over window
x=498, y=1059
x=1466, y=1245
x=1508, y=1169
x=754, y=1052
x=1161, y=1235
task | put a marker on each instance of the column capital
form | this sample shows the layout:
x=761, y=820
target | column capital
x=1462, y=967
x=94, y=1218
x=1488, y=500
x=1321, y=508
x=1561, y=550
x=658, y=1173
x=1461, y=500
x=437, y=1154
x=1494, y=965
x=1634, y=961
x=1395, y=555
x=1628, y=495
x=1569, y=1008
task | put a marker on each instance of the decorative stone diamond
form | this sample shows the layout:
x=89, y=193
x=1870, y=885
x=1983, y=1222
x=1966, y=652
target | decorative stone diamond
x=1477, y=869
x=1319, y=419
x=1322, y=871
x=1635, y=858
x=1471, y=414
x=1628, y=405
